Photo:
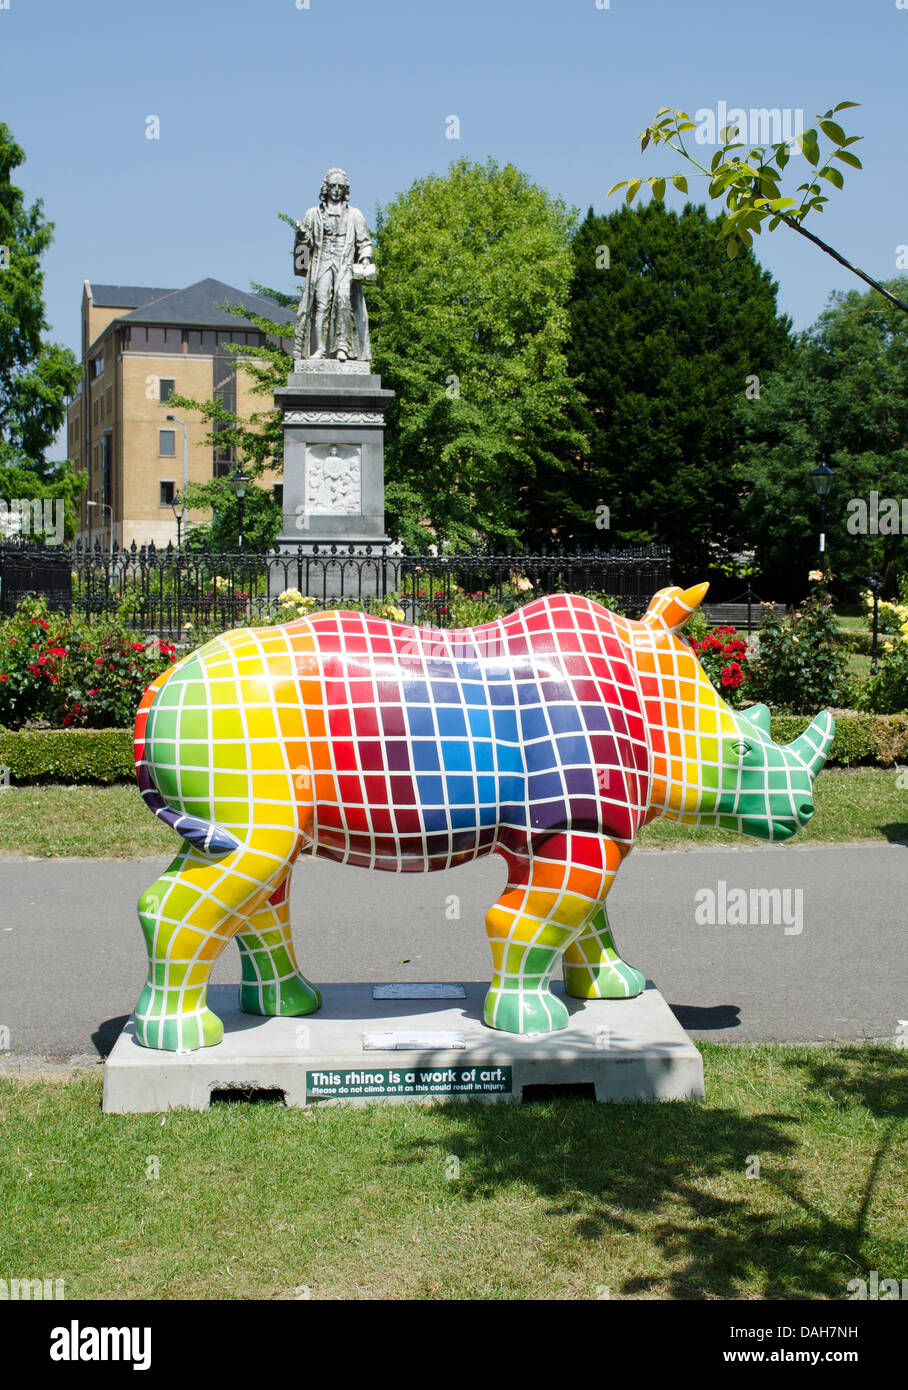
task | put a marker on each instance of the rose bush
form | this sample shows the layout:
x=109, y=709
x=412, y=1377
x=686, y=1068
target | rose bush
x=66, y=672
x=800, y=662
x=724, y=655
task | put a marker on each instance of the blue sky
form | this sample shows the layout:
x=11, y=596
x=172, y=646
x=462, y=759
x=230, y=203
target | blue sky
x=257, y=99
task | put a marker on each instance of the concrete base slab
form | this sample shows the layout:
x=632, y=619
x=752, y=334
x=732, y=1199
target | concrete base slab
x=436, y=1049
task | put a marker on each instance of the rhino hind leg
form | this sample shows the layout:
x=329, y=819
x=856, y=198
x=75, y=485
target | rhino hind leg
x=593, y=969
x=187, y=918
x=272, y=983
x=535, y=921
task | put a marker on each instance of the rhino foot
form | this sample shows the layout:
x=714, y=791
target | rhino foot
x=514, y=1010
x=280, y=999
x=181, y=1032
x=613, y=979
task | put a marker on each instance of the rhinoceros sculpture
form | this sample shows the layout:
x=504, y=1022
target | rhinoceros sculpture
x=548, y=737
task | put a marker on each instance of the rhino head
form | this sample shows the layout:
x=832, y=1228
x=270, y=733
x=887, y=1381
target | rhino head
x=713, y=765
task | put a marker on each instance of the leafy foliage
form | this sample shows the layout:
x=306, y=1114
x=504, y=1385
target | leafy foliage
x=800, y=664
x=69, y=755
x=36, y=377
x=261, y=517
x=663, y=342
x=64, y=671
x=724, y=656
x=887, y=691
x=470, y=324
x=749, y=184
x=844, y=390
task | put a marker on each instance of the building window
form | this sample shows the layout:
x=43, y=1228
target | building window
x=167, y=443
x=167, y=494
x=278, y=491
x=167, y=385
x=107, y=469
x=97, y=367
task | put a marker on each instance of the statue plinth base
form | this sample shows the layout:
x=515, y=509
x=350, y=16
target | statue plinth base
x=358, y=1050
x=334, y=480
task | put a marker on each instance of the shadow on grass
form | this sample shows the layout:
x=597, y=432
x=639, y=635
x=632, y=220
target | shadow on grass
x=671, y=1174
x=896, y=832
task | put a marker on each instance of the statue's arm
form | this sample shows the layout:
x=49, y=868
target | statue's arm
x=363, y=244
x=305, y=243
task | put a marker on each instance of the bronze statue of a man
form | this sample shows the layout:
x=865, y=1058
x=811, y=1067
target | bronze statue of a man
x=333, y=251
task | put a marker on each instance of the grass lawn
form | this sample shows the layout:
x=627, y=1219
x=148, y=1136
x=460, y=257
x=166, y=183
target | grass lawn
x=114, y=823
x=560, y=1199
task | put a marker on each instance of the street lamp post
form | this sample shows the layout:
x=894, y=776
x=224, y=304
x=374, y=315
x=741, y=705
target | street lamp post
x=240, y=482
x=177, y=421
x=105, y=506
x=822, y=480
x=875, y=581
x=179, y=511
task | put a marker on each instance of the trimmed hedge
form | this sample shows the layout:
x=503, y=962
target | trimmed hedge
x=68, y=755
x=106, y=755
x=859, y=738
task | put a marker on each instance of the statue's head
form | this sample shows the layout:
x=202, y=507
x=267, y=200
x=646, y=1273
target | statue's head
x=335, y=181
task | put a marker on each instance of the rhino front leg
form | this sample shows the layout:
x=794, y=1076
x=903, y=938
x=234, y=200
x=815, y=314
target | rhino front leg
x=593, y=969
x=272, y=983
x=534, y=922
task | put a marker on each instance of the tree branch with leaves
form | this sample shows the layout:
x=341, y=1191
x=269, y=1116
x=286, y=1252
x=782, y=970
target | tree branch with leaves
x=748, y=179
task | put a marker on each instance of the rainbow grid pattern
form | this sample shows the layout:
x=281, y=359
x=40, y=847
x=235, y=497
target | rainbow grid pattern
x=548, y=737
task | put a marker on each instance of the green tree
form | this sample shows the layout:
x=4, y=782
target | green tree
x=843, y=392
x=52, y=482
x=666, y=335
x=261, y=517
x=470, y=325
x=37, y=377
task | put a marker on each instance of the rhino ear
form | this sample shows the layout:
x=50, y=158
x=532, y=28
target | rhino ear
x=760, y=716
x=671, y=608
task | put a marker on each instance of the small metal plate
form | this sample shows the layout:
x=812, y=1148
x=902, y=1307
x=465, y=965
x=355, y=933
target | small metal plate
x=414, y=1042
x=419, y=990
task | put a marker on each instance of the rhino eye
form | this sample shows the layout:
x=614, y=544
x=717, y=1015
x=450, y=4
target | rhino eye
x=741, y=748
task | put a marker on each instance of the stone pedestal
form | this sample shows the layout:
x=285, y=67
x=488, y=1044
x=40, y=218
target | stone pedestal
x=367, y=1046
x=334, y=480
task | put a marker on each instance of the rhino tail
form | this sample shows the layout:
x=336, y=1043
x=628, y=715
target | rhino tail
x=201, y=834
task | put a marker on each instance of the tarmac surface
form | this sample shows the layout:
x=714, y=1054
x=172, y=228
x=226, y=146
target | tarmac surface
x=824, y=960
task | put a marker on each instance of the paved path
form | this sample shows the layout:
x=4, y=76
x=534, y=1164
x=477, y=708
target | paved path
x=72, y=960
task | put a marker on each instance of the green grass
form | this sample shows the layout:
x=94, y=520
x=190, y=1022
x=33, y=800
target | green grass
x=114, y=823
x=84, y=822
x=558, y=1200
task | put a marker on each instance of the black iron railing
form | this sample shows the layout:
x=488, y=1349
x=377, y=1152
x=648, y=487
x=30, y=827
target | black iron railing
x=171, y=591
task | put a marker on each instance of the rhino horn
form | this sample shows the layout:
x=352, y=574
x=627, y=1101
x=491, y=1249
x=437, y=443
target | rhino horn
x=671, y=608
x=812, y=746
